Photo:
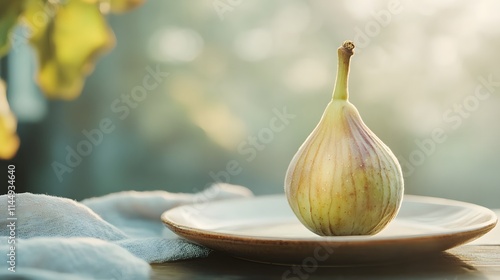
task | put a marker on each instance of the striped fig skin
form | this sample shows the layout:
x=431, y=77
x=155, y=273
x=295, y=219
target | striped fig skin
x=344, y=180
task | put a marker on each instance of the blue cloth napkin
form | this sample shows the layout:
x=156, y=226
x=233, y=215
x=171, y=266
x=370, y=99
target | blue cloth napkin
x=111, y=237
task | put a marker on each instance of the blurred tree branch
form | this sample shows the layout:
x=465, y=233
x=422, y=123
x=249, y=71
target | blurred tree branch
x=68, y=37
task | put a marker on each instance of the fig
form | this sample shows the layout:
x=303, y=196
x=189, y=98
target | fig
x=344, y=180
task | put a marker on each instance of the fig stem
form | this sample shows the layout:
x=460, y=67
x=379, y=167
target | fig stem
x=344, y=56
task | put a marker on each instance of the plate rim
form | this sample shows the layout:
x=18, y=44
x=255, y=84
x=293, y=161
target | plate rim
x=474, y=229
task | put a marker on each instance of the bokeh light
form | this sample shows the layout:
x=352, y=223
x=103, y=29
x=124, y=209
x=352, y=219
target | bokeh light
x=416, y=69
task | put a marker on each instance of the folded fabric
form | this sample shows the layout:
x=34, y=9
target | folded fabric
x=111, y=237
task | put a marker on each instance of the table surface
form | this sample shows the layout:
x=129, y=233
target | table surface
x=478, y=260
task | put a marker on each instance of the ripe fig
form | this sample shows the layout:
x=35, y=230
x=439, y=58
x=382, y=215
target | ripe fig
x=344, y=180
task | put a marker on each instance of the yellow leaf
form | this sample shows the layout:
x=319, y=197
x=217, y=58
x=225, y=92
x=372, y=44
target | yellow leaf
x=9, y=13
x=9, y=142
x=68, y=45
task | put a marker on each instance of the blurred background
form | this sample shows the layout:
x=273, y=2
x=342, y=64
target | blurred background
x=248, y=81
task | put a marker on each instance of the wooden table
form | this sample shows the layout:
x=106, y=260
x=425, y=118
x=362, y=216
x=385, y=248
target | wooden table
x=479, y=260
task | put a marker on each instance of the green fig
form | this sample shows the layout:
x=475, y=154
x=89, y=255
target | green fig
x=344, y=180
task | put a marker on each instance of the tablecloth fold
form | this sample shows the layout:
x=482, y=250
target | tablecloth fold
x=110, y=237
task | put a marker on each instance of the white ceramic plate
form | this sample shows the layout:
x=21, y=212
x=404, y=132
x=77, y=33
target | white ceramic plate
x=264, y=229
